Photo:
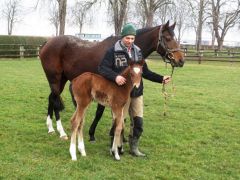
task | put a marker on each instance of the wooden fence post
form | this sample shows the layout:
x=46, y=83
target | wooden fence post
x=21, y=51
x=200, y=55
x=37, y=52
x=185, y=51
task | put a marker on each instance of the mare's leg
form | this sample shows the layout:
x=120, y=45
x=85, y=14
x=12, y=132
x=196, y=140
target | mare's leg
x=55, y=104
x=60, y=128
x=50, y=114
x=98, y=115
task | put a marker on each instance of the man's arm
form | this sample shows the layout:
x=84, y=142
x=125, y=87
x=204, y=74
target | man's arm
x=105, y=68
x=152, y=76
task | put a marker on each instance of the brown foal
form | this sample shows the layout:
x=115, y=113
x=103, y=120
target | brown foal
x=89, y=86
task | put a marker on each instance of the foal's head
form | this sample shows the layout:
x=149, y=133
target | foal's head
x=136, y=72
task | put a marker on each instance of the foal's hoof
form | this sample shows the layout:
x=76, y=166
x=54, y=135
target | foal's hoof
x=74, y=158
x=116, y=156
x=51, y=132
x=120, y=150
x=64, y=138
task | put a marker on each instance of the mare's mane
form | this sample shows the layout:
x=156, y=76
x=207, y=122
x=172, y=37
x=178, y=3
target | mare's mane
x=143, y=30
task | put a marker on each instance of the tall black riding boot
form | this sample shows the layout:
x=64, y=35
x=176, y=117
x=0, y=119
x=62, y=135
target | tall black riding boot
x=133, y=144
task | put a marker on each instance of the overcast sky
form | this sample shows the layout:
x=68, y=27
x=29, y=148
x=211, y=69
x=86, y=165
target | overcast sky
x=35, y=22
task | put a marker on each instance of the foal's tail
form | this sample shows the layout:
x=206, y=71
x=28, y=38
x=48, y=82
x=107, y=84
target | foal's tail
x=56, y=102
x=71, y=92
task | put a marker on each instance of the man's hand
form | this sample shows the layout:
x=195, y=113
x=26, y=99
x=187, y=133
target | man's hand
x=120, y=80
x=166, y=79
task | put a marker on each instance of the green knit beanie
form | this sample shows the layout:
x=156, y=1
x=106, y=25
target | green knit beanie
x=128, y=29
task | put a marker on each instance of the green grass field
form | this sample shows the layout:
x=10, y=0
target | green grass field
x=198, y=139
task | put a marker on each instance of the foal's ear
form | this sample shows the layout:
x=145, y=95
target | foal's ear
x=141, y=62
x=130, y=62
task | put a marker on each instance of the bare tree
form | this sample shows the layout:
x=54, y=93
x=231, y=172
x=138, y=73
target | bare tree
x=210, y=26
x=225, y=14
x=62, y=15
x=79, y=12
x=164, y=13
x=12, y=13
x=180, y=14
x=54, y=16
x=62, y=11
x=150, y=7
x=119, y=9
x=135, y=14
x=199, y=12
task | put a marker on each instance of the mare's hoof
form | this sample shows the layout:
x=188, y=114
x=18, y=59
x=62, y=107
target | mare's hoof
x=92, y=139
x=64, y=138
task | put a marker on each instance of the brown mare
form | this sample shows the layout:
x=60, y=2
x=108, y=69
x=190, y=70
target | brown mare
x=65, y=57
x=89, y=86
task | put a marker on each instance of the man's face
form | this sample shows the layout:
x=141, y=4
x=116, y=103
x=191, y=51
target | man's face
x=128, y=40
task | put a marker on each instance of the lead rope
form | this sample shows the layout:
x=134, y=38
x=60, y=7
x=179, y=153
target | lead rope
x=166, y=95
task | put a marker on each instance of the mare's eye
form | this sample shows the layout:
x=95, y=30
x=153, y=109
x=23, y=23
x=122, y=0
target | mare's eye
x=168, y=38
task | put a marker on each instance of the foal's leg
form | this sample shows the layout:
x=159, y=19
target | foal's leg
x=117, y=143
x=81, y=146
x=75, y=124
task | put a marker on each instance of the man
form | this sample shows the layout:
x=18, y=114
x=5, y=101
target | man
x=114, y=62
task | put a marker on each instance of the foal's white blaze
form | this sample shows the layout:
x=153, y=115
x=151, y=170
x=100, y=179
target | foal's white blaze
x=60, y=129
x=72, y=151
x=136, y=70
x=49, y=125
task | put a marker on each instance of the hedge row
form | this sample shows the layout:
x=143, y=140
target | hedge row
x=10, y=45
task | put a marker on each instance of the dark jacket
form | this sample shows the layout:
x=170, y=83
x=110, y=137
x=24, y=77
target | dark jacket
x=115, y=61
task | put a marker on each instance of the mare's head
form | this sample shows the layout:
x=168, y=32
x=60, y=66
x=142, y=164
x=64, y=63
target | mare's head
x=136, y=72
x=168, y=47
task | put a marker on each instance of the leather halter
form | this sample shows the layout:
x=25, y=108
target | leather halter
x=168, y=57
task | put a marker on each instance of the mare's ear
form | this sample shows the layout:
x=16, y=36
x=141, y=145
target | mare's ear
x=166, y=26
x=173, y=26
